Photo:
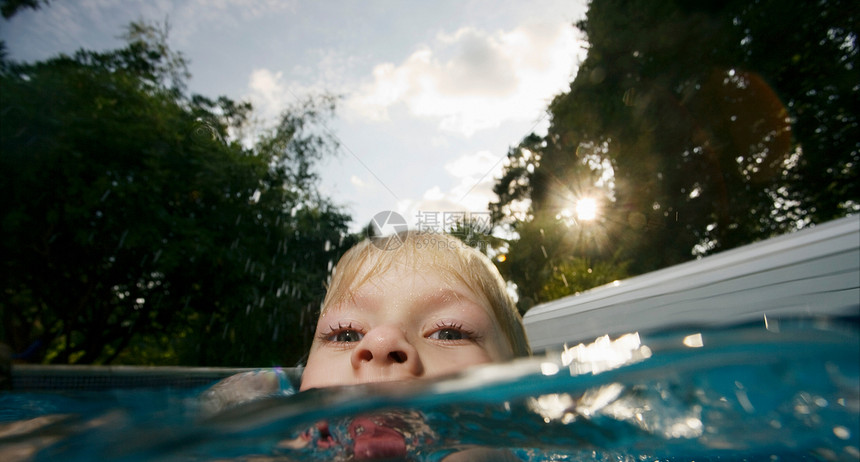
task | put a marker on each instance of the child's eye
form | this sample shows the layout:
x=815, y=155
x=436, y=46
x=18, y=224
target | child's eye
x=448, y=334
x=451, y=332
x=346, y=336
x=343, y=334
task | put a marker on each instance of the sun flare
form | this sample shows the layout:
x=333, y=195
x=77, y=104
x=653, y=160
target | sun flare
x=586, y=209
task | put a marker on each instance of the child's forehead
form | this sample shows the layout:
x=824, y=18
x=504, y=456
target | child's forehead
x=404, y=264
x=369, y=295
x=427, y=283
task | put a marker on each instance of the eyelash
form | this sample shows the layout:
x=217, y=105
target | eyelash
x=333, y=331
x=457, y=326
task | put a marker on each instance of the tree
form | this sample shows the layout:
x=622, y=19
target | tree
x=716, y=123
x=552, y=257
x=137, y=226
x=8, y=8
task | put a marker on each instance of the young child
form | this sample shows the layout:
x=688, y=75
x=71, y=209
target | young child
x=407, y=306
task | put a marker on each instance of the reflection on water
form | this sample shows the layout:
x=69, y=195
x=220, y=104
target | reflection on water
x=707, y=394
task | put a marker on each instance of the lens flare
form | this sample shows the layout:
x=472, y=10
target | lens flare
x=586, y=209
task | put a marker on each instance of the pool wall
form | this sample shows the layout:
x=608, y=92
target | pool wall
x=91, y=378
x=815, y=271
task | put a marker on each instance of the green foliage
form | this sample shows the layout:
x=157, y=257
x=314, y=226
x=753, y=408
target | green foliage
x=136, y=226
x=578, y=274
x=699, y=127
x=475, y=231
x=8, y=8
x=552, y=258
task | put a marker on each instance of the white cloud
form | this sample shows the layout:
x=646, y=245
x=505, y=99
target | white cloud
x=474, y=176
x=268, y=92
x=472, y=80
x=478, y=164
x=358, y=182
x=271, y=94
x=434, y=194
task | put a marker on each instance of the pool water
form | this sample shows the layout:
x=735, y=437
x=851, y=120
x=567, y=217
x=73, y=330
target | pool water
x=786, y=390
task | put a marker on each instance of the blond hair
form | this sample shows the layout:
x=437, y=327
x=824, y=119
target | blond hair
x=453, y=257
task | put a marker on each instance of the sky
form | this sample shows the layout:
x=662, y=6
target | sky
x=432, y=93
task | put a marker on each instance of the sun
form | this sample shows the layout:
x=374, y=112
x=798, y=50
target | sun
x=586, y=209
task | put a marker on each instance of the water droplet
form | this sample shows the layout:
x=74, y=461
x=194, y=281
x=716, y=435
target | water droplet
x=122, y=239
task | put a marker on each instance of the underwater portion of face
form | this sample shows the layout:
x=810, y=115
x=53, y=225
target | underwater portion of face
x=404, y=323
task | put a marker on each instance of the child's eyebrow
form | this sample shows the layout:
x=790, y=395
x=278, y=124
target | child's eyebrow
x=441, y=296
x=445, y=296
x=351, y=299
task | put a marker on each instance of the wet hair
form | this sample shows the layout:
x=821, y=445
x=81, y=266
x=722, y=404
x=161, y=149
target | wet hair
x=452, y=257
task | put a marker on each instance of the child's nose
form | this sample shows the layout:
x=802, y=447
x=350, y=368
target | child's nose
x=387, y=350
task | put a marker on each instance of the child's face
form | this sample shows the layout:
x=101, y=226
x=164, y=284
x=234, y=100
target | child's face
x=401, y=324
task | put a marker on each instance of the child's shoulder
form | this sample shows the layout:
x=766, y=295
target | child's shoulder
x=248, y=386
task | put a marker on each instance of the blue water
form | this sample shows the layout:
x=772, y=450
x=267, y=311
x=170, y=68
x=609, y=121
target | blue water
x=788, y=390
